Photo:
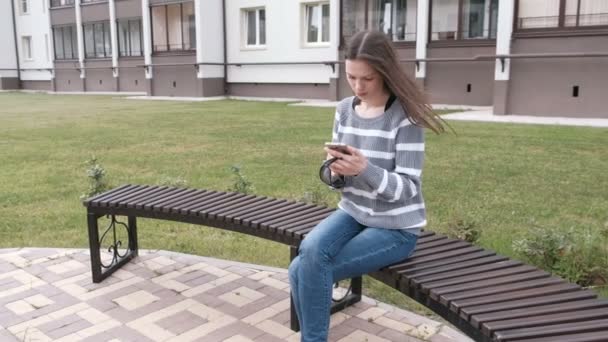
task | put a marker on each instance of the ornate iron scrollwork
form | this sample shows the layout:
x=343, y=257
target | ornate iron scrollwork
x=116, y=255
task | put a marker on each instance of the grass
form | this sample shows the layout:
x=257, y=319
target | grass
x=501, y=179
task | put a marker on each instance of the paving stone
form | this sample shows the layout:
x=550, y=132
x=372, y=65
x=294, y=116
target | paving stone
x=70, y=306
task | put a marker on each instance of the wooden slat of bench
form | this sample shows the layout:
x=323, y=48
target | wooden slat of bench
x=243, y=203
x=237, y=215
x=201, y=202
x=418, y=276
x=121, y=202
x=175, y=205
x=477, y=275
x=552, y=330
x=599, y=336
x=539, y=279
x=542, y=320
x=452, y=245
x=87, y=202
x=450, y=276
x=212, y=213
x=436, y=258
x=584, y=304
x=312, y=218
x=527, y=303
x=183, y=208
x=293, y=208
x=303, y=213
x=184, y=192
x=456, y=305
x=247, y=217
x=152, y=196
x=104, y=202
x=423, y=240
x=201, y=208
x=494, y=286
x=204, y=210
x=438, y=243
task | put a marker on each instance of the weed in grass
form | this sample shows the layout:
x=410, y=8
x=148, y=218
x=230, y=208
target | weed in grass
x=578, y=255
x=241, y=183
x=96, y=175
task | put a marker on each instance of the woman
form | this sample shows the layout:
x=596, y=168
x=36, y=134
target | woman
x=381, y=211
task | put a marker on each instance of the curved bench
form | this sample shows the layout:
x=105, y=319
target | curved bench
x=487, y=296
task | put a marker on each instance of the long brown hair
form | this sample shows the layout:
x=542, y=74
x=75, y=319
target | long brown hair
x=375, y=48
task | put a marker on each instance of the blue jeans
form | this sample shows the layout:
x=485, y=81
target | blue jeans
x=339, y=248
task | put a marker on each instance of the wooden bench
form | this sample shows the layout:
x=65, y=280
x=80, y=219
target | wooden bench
x=487, y=296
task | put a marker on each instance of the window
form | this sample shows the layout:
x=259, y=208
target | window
x=538, y=14
x=59, y=3
x=97, y=41
x=586, y=13
x=66, y=46
x=24, y=6
x=396, y=18
x=173, y=27
x=547, y=14
x=317, y=23
x=26, y=45
x=129, y=37
x=464, y=19
x=255, y=24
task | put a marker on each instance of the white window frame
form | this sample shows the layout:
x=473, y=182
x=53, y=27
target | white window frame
x=304, y=26
x=245, y=28
x=24, y=6
x=26, y=46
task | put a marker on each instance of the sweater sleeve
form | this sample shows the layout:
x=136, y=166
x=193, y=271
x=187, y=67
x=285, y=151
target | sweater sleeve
x=404, y=181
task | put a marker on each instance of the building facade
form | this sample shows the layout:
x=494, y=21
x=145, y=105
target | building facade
x=526, y=57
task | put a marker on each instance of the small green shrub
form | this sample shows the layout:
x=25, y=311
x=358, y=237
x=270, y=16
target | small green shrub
x=462, y=229
x=578, y=255
x=96, y=175
x=241, y=184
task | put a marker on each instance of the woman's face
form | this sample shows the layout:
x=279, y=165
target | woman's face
x=364, y=80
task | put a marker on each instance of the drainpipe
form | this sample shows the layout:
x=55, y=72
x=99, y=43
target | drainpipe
x=114, y=44
x=79, y=35
x=16, y=45
x=225, y=49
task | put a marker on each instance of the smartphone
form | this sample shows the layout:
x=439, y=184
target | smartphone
x=340, y=147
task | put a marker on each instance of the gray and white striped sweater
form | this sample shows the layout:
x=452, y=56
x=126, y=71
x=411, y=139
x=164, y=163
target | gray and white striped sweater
x=387, y=194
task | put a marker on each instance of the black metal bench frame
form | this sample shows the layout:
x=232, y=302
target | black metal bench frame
x=487, y=296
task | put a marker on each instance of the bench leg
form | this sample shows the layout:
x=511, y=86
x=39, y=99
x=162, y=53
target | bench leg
x=354, y=296
x=99, y=270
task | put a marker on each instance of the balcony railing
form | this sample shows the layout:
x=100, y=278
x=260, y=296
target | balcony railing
x=596, y=19
x=173, y=47
x=61, y=3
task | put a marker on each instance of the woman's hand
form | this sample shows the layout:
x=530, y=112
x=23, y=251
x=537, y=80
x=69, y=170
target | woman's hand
x=348, y=164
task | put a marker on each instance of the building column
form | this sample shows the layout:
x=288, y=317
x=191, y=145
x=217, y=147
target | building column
x=334, y=77
x=422, y=37
x=506, y=11
x=80, y=37
x=113, y=38
x=147, y=34
x=198, y=23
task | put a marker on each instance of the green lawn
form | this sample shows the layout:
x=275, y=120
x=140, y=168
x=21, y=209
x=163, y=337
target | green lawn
x=502, y=179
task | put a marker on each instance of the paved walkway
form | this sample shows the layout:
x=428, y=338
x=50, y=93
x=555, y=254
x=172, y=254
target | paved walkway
x=47, y=295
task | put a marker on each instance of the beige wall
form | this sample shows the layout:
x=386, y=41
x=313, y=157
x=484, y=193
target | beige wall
x=545, y=86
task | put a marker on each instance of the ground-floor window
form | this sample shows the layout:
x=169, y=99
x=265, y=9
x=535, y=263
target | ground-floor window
x=66, y=44
x=97, y=41
x=129, y=37
x=173, y=27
